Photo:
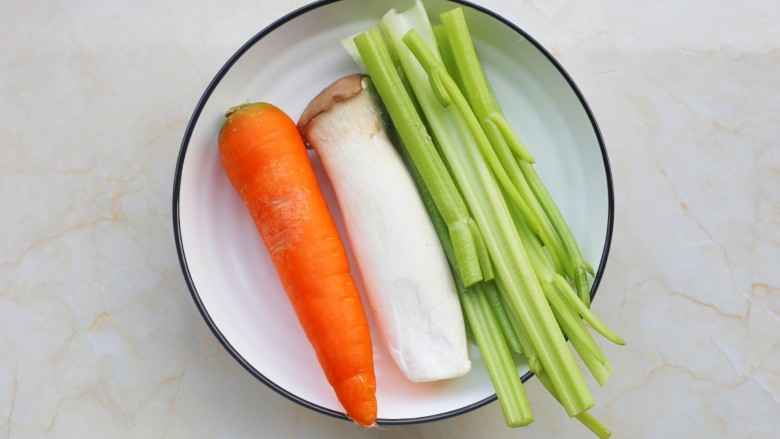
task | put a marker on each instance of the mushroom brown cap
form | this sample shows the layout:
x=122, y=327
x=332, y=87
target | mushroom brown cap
x=341, y=90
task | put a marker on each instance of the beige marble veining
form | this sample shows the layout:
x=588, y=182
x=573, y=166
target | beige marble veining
x=100, y=337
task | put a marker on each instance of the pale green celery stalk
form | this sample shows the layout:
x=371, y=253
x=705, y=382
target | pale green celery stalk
x=586, y=418
x=411, y=130
x=499, y=310
x=525, y=344
x=482, y=252
x=577, y=306
x=446, y=52
x=348, y=43
x=590, y=353
x=474, y=81
x=447, y=91
x=570, y=325
x=488, y=335
x=500, y=134
x=601, y=370
x=480, y=94
x=555, y=284
x=581, y=267
x=568, y=320
x=486, y=327
x=493, y=346
x=590, y=421
x=488, y=208
x=401, y=73
x=438, y=32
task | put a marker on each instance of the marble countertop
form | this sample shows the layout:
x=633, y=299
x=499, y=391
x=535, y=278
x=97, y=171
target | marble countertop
x=99, y=334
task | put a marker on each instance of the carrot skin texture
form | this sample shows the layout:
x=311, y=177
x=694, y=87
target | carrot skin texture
x=267, y=163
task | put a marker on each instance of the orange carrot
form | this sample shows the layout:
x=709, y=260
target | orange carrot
x=268, y=165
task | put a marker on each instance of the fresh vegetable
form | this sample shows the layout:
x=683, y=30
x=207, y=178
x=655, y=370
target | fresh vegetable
x=480, y=95
x=266, y=161
x=405, y=274
x=534, y=291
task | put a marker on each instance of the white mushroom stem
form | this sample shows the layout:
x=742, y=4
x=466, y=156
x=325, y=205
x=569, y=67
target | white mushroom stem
x=405, y=275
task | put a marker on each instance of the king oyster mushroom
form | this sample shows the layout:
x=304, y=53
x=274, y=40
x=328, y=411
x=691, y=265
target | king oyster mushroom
x=405, y=275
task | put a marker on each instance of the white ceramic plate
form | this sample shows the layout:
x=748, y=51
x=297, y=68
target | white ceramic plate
x=225, y=263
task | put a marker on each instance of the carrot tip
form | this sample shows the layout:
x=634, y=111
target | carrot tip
x=363, y=425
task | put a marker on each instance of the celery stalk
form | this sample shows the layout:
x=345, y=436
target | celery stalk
x=570, y=325
x=482, y=252
x=480, y=95
x=447, y=91
x=446, y=52
x=601, y=370
x=503, y=373
x=474, y=82
x=585, y=418
x=457, y=42
x=553, y=283
x=499, y=310
x=577, y=306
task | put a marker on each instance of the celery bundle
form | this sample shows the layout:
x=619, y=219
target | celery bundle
x=523, y=283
